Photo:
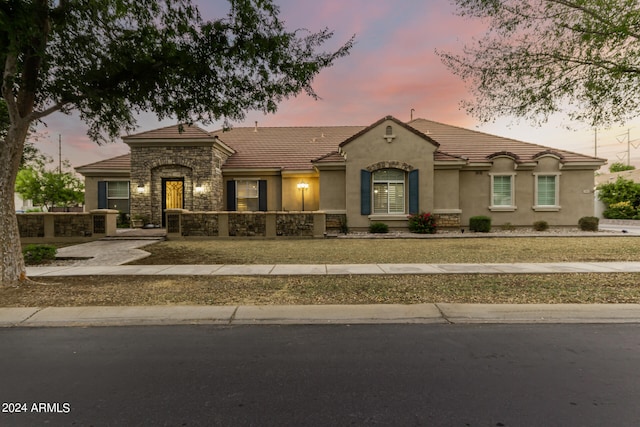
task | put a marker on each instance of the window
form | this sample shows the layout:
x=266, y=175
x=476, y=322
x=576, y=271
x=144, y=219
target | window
x=247, y=195
x=113, y=195
x=388, y=191
x=502, y=192
x=546, y=192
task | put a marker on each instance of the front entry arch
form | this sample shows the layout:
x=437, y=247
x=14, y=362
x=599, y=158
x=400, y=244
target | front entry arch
x=172, y=195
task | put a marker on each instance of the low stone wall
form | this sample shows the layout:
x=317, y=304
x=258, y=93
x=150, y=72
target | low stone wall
x=38, y=226
x=182, y=224
x=447, y=220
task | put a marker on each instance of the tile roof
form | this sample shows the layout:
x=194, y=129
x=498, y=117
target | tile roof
x=122, y=162
x=290, y=148
x=479, y=146
x=295, y=148
x=172, y=132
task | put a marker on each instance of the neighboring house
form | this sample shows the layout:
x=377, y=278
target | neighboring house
x=378, y=173
x=20, y=204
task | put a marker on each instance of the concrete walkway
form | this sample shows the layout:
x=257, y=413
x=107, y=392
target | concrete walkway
x=320, y=314
x=333, y=269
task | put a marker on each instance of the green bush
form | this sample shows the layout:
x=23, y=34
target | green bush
x=620, y=210
x=423, y=223
x=588, y=223
x=541, y=225
x=378, y=228
x=480, y=223
x=37, y=254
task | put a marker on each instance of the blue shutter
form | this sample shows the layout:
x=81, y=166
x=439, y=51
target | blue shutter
x=414, y=193
x=365, y=192
x=102, y=195
x=231, y=195
x=262, y=195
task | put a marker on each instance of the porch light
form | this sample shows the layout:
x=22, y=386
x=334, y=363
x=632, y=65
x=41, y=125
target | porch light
x=140, y=188
x=199, y=188
x=303, y=186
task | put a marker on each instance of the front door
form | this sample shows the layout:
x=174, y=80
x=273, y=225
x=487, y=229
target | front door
x=172, y=195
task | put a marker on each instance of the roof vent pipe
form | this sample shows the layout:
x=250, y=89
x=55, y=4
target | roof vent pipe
x=256, y=128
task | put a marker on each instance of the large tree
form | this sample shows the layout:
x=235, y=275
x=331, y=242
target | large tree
x=111, y=59
x=540, y=57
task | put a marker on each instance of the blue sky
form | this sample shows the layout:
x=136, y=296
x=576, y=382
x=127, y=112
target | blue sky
x=392, y=69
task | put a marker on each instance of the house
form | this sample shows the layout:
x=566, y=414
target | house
x=353, y=174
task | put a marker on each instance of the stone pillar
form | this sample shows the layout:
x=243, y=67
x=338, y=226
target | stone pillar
x=319, y=224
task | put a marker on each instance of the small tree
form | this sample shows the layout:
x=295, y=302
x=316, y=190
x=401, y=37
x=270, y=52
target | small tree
x=620, y=167
x=49, y=189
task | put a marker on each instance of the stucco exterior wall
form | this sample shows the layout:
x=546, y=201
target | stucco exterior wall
x=446, y=185
x=332, y=190
x=372, y=148
x=575, y=193
x=292, y=195
x=91, y=189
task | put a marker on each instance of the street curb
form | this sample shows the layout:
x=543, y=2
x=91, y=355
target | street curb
x=440, y=313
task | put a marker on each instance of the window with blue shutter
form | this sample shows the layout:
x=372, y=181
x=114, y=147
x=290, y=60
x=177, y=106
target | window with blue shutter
x=102, y=195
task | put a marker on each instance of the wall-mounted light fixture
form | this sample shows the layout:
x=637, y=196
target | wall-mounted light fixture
x=199, y=188
x=140, y=188
x=303, y=186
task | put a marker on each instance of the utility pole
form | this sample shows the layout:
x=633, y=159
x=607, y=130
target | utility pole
x=59, y=154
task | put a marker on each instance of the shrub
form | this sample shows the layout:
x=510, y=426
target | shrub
x=620, y=210
x=378, y=228
x=588, y=223
x=480, y=223
x=423, y=223
x=541, y=225
x=36, y=254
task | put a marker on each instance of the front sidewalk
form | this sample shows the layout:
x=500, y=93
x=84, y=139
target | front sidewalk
x=334, y=269
x=440, y=313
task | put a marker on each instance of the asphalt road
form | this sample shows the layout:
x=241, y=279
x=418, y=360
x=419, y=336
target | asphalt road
x=405, y=375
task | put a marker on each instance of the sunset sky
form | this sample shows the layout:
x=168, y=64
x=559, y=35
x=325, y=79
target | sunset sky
x=392, y=69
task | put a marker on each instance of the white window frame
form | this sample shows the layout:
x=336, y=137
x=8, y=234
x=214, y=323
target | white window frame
x=388, y=182
x=547, y=208
x=114, y=199
x=247, y=182
x=508, y=208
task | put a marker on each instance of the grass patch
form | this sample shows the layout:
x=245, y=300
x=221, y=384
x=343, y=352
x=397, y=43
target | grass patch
x=288, y=290
x=394, y=251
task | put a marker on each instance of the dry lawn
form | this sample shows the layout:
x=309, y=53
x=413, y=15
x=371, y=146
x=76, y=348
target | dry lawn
x=394, y=251
x=387, y=289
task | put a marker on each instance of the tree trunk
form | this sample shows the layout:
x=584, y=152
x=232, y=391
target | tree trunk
x=12, y=268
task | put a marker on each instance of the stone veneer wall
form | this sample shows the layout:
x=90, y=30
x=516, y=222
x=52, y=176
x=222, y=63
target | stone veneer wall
x=196, y=164
x=294, y=224
x=336, y=222
x=79, y=225
x=447, y=220
x=247, y=224
x=199, y=224
x=47, y=225
x=31, y=225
